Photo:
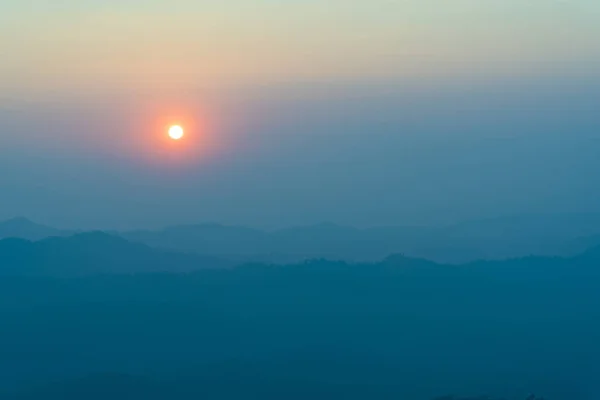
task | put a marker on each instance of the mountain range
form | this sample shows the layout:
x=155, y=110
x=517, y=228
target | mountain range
x=402, y=328
x=101, y=253
x=516, y=236
x=94, y=253
x=24, y=228
x=94, y=315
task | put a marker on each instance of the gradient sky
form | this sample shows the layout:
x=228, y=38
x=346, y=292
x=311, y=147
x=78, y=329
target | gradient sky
x=68, y=45
x=358, y=112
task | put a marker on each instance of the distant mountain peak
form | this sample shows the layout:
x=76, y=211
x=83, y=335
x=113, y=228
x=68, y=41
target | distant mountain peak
x=24, y=228
x=18, y=221
x=91, y=253
x=93, y=238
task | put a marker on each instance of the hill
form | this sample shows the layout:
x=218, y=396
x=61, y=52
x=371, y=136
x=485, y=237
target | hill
x=25, y=229
x=400, y=328
x=94, y=253
x=498, y=238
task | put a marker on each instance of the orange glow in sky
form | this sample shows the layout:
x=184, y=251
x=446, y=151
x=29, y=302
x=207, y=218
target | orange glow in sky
x=163, y=132
x=178, y=135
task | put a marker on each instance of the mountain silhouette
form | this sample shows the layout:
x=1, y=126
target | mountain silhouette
x=497, y=238
x=402, y=328
x=23, y=228
x=94, y=253
x=204, y=239
x=286, y=245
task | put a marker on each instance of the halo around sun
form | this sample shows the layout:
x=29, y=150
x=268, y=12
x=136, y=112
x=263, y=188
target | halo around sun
x=176, y=132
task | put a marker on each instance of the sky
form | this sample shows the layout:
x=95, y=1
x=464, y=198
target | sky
x=379, y=112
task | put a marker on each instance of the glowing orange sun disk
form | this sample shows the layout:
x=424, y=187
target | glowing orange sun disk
x=176, y=132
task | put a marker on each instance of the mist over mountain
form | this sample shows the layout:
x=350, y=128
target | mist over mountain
x=23, y=228
x=299, y=200
x=497, y=238
x=515, y=236
x=385, y=330
x=93, y=253
x=94, y=315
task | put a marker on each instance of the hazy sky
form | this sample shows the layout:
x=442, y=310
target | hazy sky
x=72, y=45
x=358, y=112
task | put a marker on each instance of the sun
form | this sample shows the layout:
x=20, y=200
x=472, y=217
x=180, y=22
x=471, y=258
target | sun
x=176, y=132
